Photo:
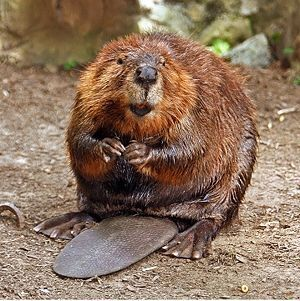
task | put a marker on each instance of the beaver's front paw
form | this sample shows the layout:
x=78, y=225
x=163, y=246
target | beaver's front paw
x=194, y=243
x=137, y=153
x=111, y=148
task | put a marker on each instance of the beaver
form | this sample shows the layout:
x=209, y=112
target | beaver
x=160, y=126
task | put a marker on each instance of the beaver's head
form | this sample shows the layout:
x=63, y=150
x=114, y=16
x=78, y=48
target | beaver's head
x=139, y=86
x=142, y=81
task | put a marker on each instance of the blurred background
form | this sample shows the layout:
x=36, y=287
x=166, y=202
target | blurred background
x=68, y=33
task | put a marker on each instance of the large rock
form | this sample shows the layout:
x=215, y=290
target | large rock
x=253, y=52
x=191, y=18
x=59, y=31
x=165, y=16
x=279, y=20
x=231, y=28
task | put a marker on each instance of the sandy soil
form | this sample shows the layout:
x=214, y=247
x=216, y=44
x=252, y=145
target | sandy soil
x=261, y=251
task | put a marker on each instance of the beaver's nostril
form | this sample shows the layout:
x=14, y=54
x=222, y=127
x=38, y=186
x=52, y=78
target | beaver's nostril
x=145, y=75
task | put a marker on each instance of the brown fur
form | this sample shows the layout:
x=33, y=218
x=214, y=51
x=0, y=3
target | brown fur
x=191, y=157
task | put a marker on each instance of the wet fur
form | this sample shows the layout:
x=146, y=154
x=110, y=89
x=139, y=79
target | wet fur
x=201, y=133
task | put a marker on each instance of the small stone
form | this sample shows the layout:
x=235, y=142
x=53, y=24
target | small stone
x=270, y=125
x=44, y=290
x=131, y=288
x=155, y=278
x=47, y=170
x=241, y=258
x=5, y=93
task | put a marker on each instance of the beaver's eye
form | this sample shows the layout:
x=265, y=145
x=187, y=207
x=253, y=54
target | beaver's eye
x=162, y=61
x=120, y=61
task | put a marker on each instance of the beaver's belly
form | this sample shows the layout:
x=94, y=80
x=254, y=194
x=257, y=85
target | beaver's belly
x=125, y=187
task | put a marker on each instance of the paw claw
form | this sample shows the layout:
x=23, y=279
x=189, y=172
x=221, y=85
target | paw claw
x=65, y=226
x=137, y=153
x=196, y=255
x=54, y=233
x=37, y=228
x=176, y=253
x=111, y=148
x=194, y=243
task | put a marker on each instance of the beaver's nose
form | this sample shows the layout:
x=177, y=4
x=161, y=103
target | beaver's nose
x=145, y=75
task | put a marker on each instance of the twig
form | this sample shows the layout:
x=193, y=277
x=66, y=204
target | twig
x=12, y=208
x=286, y=111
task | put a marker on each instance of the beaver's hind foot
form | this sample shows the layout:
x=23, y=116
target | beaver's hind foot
x=193, y=243
x=65, y=226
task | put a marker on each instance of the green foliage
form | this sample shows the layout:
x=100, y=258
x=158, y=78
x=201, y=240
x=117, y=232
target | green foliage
x=288, y=51
x=296, y=80
x=219, y=46
x=70, y=64
x=275, y=37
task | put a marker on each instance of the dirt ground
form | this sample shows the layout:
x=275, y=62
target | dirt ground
x=261, y=251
